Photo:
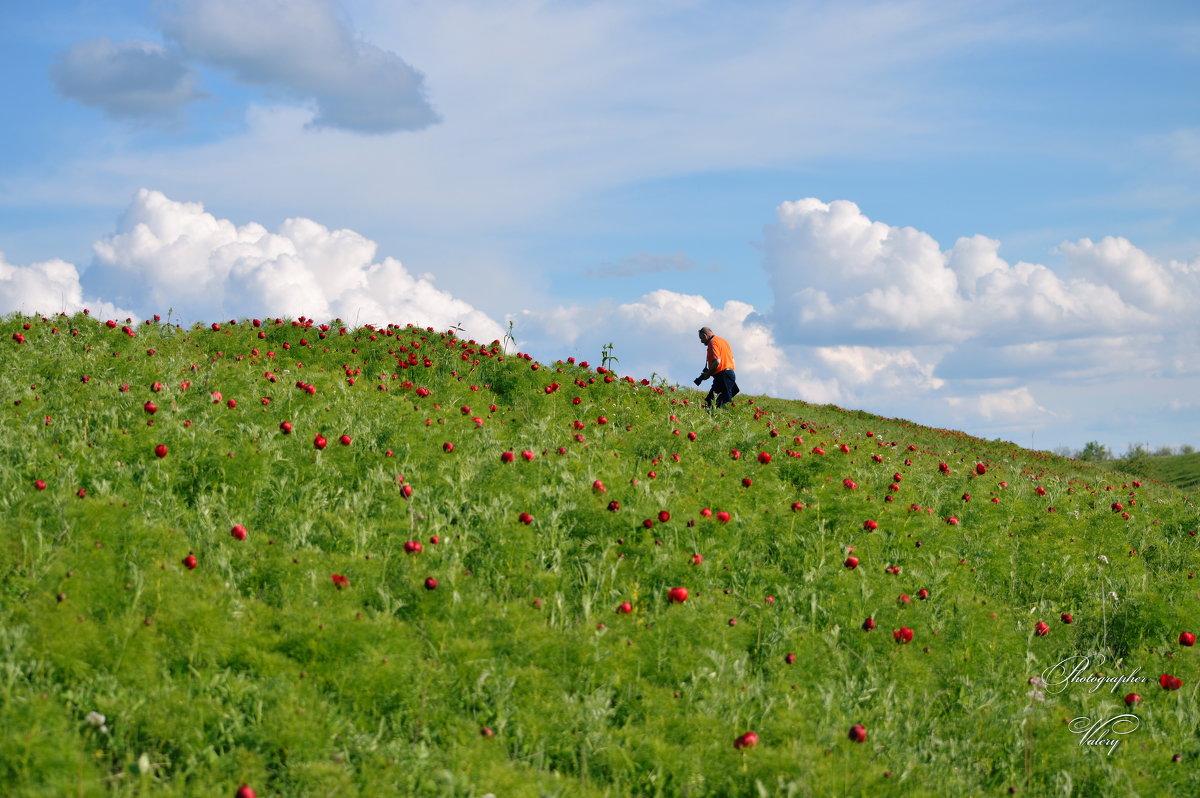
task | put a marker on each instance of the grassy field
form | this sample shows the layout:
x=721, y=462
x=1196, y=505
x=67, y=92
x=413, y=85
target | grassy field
x=1179, y=470
x=468, y=589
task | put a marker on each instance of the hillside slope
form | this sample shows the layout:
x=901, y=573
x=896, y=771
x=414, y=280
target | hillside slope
x=1180, y=470
x=318, y=560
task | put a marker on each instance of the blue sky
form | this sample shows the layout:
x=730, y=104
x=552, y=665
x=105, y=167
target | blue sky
x=975, y=215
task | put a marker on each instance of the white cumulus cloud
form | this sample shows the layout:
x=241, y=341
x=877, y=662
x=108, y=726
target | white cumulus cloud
x=1016, y=407
x=839, y=277
x=895, y=317
x=880, y=370
x=175, y=255
x=46, y=288
x=1141, y=280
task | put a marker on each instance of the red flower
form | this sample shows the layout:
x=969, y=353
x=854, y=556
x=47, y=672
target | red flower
x=1170, y=682
x=340, y=581
x=903, y=634
x=747, y=740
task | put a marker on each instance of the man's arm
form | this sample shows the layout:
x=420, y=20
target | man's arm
x=710, y=364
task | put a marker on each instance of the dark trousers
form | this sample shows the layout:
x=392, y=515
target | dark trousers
x=724, y=388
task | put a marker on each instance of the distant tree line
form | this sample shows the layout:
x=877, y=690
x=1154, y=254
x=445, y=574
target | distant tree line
x=1096, y=452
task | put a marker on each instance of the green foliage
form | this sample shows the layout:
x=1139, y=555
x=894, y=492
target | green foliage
x=1093, y=451
x=256, y=667
x=607, y=358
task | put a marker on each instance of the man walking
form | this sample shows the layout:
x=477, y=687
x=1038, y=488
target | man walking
x=718, y=364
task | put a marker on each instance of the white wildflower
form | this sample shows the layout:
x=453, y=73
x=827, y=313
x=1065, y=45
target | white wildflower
x=96, y=719
x=1103, y=560
x=1112, y=594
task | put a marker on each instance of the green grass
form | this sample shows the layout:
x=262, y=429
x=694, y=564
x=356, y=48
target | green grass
x=1180, y=470
x=255, y=668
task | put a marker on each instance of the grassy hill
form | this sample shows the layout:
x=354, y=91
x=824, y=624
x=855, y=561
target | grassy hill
x=1180, y=470
x=316, y=560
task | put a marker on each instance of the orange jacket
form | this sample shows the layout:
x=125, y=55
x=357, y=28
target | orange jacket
x=720, y=356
